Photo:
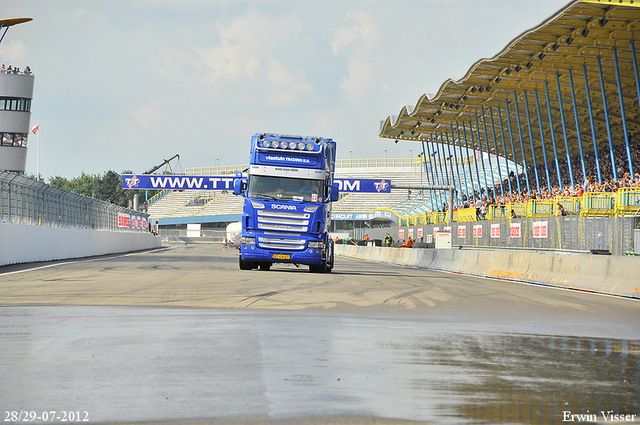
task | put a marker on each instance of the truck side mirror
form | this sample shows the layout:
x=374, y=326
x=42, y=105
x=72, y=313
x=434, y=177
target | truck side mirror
x=239, y=186
x=335, y=193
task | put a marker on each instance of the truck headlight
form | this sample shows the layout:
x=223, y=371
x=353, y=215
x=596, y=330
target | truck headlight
x=249, y=241
x=316, y=244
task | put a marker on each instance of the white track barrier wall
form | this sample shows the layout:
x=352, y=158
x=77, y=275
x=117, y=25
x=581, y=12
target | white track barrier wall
x=21, y=243
x=606, y=274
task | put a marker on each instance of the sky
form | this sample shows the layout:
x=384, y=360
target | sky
x=123, y=85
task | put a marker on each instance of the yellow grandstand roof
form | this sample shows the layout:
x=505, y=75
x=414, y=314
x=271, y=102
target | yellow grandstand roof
x=542, y=65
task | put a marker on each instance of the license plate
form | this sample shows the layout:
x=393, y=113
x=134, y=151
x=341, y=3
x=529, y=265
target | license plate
x=281, y=256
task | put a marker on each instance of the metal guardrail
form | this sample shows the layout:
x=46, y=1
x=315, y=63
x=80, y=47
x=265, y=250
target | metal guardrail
x=26, y=201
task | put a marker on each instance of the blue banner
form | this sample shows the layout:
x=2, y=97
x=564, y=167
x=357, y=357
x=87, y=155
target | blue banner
x=134, y=181
x=364, y=185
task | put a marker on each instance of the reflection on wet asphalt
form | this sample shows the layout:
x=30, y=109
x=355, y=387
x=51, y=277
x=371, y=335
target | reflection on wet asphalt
x=127, y=364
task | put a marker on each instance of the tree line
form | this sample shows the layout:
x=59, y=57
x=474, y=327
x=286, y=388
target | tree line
x=98, y=186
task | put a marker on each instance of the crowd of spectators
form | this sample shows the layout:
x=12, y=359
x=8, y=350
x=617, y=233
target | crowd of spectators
x=484, y=199
x=16, y=70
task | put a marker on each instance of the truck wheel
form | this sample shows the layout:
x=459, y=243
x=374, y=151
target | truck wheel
x=316, y=268
x=244, y=265
x=265, y=266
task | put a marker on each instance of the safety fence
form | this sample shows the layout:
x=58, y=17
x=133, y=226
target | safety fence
x=575, y=233
x=26, y=201
x=624, y=202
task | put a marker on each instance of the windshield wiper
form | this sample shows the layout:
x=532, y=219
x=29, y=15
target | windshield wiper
x=262, y=196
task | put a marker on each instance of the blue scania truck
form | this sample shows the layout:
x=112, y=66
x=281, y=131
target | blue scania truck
x=288, y=190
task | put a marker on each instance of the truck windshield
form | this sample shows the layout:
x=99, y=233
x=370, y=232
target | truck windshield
x=285, y=189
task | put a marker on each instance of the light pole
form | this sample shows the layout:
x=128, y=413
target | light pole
x=350, y=158
x=410, y=157
x=217, y=165
x=385, y=157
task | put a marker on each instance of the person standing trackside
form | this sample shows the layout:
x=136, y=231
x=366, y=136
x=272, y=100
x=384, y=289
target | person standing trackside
x=388, y=240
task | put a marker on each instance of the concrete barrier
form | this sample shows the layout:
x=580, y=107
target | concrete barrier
x=605, y=274
x=21, y=243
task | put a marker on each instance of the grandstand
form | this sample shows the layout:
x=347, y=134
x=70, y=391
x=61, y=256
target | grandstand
x=184, y=206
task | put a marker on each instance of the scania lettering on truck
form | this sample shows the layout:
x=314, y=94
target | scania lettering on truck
x=288, y=190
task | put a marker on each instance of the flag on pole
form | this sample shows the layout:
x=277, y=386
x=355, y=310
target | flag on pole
x=35, y=128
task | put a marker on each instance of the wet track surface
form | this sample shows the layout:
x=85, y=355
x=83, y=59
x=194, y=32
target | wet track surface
x=369, y=343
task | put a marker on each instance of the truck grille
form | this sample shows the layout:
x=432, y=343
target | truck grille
x=281, y=243
x=283, y=221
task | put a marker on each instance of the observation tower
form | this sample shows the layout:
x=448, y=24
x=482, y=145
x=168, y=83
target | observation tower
x=16, y=92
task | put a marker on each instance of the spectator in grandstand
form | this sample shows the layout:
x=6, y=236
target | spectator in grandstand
x=3, y=69
x=559, y=209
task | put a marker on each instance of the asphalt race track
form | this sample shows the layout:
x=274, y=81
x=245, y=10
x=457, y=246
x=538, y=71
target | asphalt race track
x=181, y=335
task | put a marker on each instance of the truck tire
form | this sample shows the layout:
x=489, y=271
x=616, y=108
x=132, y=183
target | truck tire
x=316, y=268
x=265, y=266
x=244, y=265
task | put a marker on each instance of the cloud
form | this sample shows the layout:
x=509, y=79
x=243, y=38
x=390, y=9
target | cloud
x=288, y=87
x=16, y=51
x=358, y=43
x=364, y=32
x=146, y=116
x=245, y=43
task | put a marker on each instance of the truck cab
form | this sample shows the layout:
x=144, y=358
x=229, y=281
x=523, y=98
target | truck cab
x=287, y=190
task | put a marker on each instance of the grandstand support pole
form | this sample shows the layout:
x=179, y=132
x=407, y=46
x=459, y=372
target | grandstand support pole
x=450, y=209
x=486, y=142
x=495, y=147
x=564, y=130
x=457, y=174
x=435, y=168
x=606, y=118
x=575, y=116
x=443, y=164
x=593, y=126
x=504, y=149
x=484, y=171
x=544, y=149
x=513, y=147
x=464, y=173
x=524, y=156
x=135, y=200
x=426, y=171
x=466, y=145
x=635, y=72
x=624, y=117
x=553, y=136
x=533, y=152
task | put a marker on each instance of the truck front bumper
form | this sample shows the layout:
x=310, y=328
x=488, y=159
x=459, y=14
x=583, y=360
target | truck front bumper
x=310, y=256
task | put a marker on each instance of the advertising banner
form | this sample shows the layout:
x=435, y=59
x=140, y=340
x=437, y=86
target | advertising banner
x=540, y=229
x=462, y=231
x=364, y=185
x=495, y=230
x=477, y=230
x=134, y=181
x=515, y=230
